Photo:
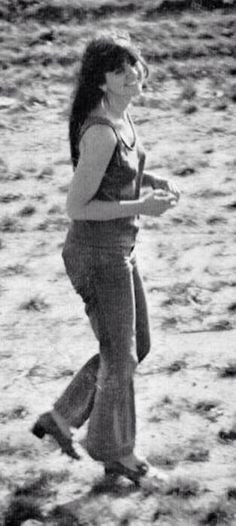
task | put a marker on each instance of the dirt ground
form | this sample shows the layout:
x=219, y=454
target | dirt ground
x=186, y=402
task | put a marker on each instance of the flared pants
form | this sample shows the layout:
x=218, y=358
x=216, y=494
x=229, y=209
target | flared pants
x=110, y=285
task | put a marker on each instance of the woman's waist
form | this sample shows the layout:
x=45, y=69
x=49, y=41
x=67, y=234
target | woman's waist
x=115, y=232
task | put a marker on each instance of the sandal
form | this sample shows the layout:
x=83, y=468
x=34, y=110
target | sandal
x=46, y=425
x=117, y=468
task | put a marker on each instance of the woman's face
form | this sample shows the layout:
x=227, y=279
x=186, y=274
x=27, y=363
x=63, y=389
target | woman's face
x=126, y=81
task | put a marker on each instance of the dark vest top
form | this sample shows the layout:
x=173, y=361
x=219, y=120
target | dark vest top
x=121, y=181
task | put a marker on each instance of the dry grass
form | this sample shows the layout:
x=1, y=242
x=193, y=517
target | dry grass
x=229, y=371
x=10, y=224
x=22, y=509
x=34, y=304
x=218, y=513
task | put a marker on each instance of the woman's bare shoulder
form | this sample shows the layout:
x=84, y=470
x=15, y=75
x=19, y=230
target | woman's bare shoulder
x=98, y=137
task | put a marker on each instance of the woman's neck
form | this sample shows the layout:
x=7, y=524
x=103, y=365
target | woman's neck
x=114, y=106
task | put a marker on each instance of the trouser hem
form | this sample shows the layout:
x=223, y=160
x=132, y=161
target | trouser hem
x=110, y=455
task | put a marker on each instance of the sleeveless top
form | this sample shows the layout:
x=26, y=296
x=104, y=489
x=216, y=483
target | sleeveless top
x=121, y=181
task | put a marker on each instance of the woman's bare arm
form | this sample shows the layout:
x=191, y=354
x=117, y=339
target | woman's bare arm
x=153, y=180
x=96, y=149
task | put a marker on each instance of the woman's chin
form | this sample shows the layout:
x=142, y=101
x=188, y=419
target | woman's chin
x=137, y=92
x=134, y=90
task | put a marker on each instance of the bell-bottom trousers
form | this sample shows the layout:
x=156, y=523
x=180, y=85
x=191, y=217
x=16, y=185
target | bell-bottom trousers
x=110, y=285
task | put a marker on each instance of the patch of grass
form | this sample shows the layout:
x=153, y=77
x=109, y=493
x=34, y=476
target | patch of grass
x=218, y=514
x=178, y=295
x=39, y=485
x=8, y=198
x=54, y=222
x=227, y=436
x=183, y=488
x=26, y=499
x=10, y=224
x=169, y=322
x=231, y=492
x=63, y=517
x=189, y=91
x=63, y=188
x=204, y=406
x=9, y=449
x=166, y=400
x=189, y=108
x=34, y=304
x=20, y=411
x=221, y=105
x=198, y=454
x=22, y=509
x=55, y=209
x=232, y=71
x=60, y=47
x=232, y=307
x=167, y=460
x=216, y=219
x=175, y=366
x=47, y=171
x=190, y=22
x=210, y=193
x=158, y=414
x=42, y=226
x=13, y=270
x=39, y=196
x=27, y=210
x=16, y=175
x=228, y=371
x=116, y=487
x=231, y=206
x=208, y=409
x=63, y=11
x=204, y=35
x=220, y=324
x=184, y=170
x=232, y=92
x=162, y=511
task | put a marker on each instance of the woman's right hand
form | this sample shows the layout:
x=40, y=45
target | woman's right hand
x=157, y=202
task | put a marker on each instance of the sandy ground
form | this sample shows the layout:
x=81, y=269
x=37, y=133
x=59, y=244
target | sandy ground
x=186, y=387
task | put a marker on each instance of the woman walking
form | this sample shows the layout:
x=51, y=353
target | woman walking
x=104, y=203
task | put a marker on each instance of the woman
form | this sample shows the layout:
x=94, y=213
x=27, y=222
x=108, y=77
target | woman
x=103, y=204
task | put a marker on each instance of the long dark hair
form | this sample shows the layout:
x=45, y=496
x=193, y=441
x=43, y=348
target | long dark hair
x=103, y=54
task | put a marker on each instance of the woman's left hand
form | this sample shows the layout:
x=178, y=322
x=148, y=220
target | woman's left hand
x=173, y=188
x=166, y=185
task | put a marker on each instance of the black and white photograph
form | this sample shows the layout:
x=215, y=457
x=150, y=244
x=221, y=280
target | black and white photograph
x=118, y=262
